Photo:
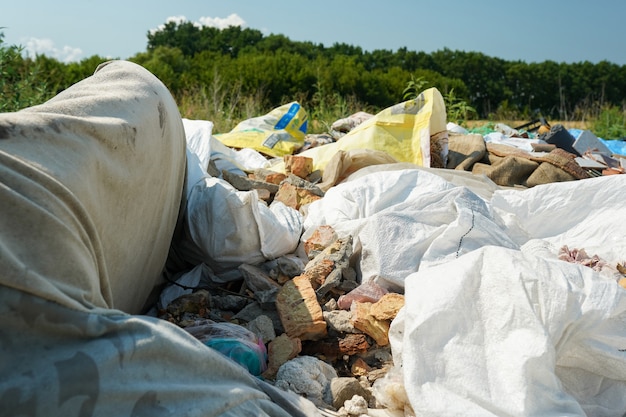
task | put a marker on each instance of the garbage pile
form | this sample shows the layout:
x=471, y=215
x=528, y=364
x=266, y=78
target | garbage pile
x=400, y=265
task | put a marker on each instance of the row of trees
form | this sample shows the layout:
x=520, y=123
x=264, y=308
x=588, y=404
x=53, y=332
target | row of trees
x=284, y=67
x=189, y=58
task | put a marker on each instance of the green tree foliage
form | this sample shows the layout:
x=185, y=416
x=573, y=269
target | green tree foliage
x=167, y=63
x=194, y=59
x=20, y=84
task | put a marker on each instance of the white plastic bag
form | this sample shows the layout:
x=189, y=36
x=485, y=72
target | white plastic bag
x=227, y=227
x=203, y=147
x=189, y=279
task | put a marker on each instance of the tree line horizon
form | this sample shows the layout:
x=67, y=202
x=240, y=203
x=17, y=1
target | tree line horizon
x=187, y=58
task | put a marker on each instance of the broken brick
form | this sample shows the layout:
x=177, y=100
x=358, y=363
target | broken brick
x=363, y=320
x=317, y=273
x=299, y=310
x=298, y=165
x=279, y=351
x=332, y=348
x=388, y=306
x=321, y=238
x=295, y=197
x=360, y=367
x=267, y=175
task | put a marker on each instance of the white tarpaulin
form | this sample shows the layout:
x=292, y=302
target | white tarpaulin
x=399, y=219
x=494, y=323
x=501, y=333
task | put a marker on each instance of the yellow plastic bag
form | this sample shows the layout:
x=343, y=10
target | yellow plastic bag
x=278, y=133
x=403, y=131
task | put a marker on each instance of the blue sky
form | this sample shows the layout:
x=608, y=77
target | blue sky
x=528, y=30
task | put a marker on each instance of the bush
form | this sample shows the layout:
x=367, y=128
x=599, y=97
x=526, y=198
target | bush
x=610, y=123
x=20, y=86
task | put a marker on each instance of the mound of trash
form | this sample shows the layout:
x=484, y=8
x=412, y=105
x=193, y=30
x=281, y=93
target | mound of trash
x=400, y=265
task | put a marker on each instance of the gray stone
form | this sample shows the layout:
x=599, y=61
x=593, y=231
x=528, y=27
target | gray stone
x=290, y=265
x=254, y=310
x=339, y=320
x=344, y=388
x=267, y=298
x=229, y=302
x=309, y=377
x=333, y=280
x=257, y=279
x=246, y=184
x=302, y=183
x=263, y=327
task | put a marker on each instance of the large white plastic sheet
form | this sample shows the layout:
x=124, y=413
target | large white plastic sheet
x=501, y=333
x=494, y=323
x=399, y=219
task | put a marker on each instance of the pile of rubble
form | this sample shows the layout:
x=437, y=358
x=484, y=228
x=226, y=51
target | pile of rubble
x=326, y=334
x=513, y=158
x=303, y=321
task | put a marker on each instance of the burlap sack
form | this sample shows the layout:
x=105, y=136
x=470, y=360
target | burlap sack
x=547, y=173
x=499, y=149
x=464, y=151
x=565, y=161
x=561, y=166
x=512, y=170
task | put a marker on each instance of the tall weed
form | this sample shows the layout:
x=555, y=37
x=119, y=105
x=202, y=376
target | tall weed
x=610, y=123
x=222, y=104
x=20, y=83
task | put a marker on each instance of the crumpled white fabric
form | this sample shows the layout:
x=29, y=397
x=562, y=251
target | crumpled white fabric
x=581, y=214
x=400, y=219
x=494, y=323
x=519, y=332
x=227, y=227
x=524, y=144
x=203, y=147
x=501, y=333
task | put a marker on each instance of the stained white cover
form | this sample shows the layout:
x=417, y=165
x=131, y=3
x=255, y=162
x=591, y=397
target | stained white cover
x=494, y=323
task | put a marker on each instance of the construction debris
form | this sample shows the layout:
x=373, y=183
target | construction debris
x=335, y=302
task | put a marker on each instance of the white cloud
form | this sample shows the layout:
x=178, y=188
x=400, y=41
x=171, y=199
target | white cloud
x=217, y=22
x=42, y=46
x=222, y=23
x=175, y=19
